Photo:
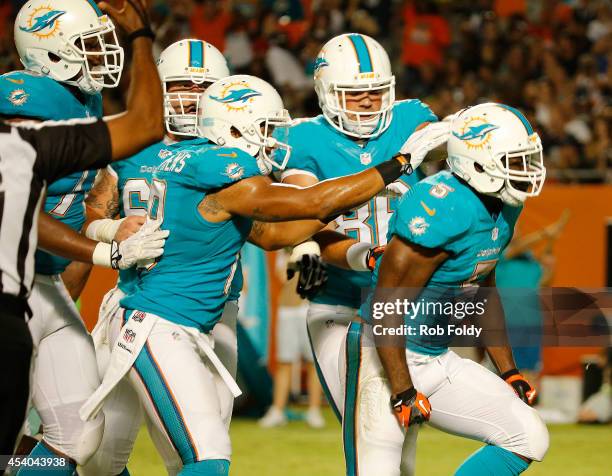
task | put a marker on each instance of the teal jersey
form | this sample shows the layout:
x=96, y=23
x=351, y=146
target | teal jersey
x=28, y=94
x=191, y=282
x=443, y=212
x=320, y=150
x=133, y=184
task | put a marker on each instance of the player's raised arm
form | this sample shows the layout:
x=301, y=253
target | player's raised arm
x=142, y=124
x=260, y=198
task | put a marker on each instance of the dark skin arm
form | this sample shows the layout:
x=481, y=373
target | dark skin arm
x=494, y=326
x=59, y=239
x=143, y=123
x=274, y=236
x=404, y=265
x=258, y=198
x=75, y=278
x=334, y=246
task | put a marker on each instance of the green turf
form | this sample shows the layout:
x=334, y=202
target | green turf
x=297, y=450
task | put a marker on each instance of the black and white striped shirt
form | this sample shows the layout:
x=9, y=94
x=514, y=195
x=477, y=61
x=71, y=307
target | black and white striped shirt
x=30, y=157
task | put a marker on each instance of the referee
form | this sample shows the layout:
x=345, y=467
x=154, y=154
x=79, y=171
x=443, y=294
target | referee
x=31, y=157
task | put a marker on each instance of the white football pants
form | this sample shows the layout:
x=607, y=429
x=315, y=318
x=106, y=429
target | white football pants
x=65, y=373
x=466, y=400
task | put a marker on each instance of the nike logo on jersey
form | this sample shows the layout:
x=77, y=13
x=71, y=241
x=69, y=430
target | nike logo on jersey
x=430, y=212
x=16, y=81
x=233, y=155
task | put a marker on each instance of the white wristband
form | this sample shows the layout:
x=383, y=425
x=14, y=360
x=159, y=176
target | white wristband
x=104, y=229
x=102, y=254
x=356, y=256
x=306, y=248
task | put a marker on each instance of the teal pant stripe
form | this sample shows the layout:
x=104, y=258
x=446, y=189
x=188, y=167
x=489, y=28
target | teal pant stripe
x=363, y=55
x=326, y=391
x=165, y=405
x=353, y=363
x=196, y=54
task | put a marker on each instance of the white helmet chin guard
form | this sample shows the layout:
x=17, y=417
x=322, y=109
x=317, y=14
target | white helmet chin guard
x=71, y=41
x=353, y=63
x=495, y=150
x=188, y=60
x=242, y=111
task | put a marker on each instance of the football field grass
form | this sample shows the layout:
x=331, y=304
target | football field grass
x=297, y=450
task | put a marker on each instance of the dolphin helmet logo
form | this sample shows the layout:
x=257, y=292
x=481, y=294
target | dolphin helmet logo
x=43, y=22
x=475, y=132
x=238, y=95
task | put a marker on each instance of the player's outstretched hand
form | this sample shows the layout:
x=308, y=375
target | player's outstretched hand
x=145, y=245
x=521, y=386
x=131, y=17
x=410, y=407
x=129, y=226
x=422, y=141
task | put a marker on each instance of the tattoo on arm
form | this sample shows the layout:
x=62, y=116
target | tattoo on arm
x=258, y=229
x=210, y=205
x=104, y=196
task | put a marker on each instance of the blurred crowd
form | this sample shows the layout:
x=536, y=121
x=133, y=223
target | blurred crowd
x=550, y=58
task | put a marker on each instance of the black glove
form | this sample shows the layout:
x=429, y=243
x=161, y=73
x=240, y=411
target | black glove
x=312, y=275
x=522, y=387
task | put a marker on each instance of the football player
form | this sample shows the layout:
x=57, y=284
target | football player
x=207, y=192
x=445, y=238
x=361, y=125
x=71, y=54
x=186, y=69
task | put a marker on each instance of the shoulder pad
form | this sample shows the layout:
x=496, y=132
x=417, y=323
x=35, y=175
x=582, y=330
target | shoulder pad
x=27, y=94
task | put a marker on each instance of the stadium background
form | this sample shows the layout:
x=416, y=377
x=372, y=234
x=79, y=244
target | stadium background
x=552, y=59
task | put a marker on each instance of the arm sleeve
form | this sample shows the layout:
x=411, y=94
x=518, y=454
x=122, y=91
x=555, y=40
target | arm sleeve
x=65, y=147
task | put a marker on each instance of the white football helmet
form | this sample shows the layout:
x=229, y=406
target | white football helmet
x=242, y=111
x=495, y=150
x=351, y=63
x=71, y=41
x=188, y=60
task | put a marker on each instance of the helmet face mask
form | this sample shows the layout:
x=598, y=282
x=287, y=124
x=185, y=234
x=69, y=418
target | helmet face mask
x=74, y=43
x=192, y=62
x=355, y=123
x=181, y=105
x=274, y=152
x=493, y=148
x=101, y=55
x=247, y=113
x=353, y=64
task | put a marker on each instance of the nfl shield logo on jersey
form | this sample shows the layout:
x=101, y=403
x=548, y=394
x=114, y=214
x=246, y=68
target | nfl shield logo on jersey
x=495, y=234
x=129, y=336
x=365, y=158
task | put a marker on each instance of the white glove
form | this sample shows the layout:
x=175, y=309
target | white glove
x=424, y=140
x=144, y=245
